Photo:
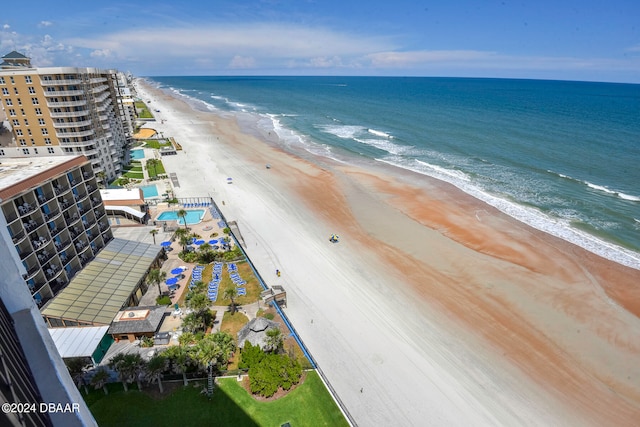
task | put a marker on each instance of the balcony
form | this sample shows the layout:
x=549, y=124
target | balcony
x=99, y=89
x=78, y=134
x=31, y=272
x=61, y=246
x=60, y=82
x=51, y=215
x=45, y=198
x=31, y=225
x=59, y=104
x=72, y=124
x=67, y=114
x=60, y=189
x=63, y=92
x=26, y=209
x=19, y=237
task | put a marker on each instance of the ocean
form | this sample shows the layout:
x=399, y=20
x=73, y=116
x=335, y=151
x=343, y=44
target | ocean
x=563, y=157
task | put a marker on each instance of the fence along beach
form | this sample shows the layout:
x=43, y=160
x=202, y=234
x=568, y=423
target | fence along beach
x=439, y=307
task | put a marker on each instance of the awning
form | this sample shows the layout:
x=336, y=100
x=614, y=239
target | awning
x=126, y=209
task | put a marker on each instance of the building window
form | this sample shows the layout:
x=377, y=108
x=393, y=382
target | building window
x=25, y=151
x=47, y=141
x=29, y=131
x=19, y=132
x=26, y=122
x=22, y=112
x=16, y=122
x=41, y=122
x=15, y=90
x=22, y=142
x=27, y=79
x=12, y=80
x=5, y=91
x=35, y=151
x=45, y=131
x=12, y=112
x=38, y=111
x=1, y=150
x=35, y=101
x=1, y=80
x=19, y=101
x=33, y=142
x=50, y=150
x=32, y=90
x=8, y=101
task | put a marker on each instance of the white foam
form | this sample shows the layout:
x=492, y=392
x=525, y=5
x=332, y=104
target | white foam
x=557, y=227
x=342, y=131
x=379, y=133
x=385, y=145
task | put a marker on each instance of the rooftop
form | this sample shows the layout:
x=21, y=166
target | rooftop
x=137, y=320
x=100, y=290
x=77, y=342
x=32, y=171
x=122, y=196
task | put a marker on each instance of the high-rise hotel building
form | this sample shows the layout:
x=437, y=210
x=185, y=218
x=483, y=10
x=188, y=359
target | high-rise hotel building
x=51, y=218
x=65, y=110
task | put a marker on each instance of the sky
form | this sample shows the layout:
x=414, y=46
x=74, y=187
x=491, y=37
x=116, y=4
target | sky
x=561, y=39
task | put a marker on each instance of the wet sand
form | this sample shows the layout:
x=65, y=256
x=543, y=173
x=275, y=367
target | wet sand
x=443, y=310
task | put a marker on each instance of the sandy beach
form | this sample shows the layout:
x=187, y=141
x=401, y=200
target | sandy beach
x=434, y=308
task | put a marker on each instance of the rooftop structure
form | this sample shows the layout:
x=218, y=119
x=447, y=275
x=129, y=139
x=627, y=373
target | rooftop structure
x=113, y=280
x=53, y=219
x=90, y=343
x=136, y=322
x=58, y=110
x=256, y=332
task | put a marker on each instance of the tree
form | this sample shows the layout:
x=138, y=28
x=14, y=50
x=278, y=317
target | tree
x=208, y=353
x=155, y=367
x=76, y=367
x=274, y=340
x=230, y=293
x=100, y=380
x=227, y=346
x=186, y=338
x=180, y=358
x=183, y=214
x=153, y=233
x=156, y=276
x=198, y=302
x=128, y=367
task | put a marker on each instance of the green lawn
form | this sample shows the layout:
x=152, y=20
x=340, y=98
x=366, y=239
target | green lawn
x=157, y=170
x=154, y=143
x=308, y=405
x=143, y=110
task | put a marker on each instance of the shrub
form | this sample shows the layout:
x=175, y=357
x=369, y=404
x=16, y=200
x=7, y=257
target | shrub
x=146, y=342
x=163, y=300
x=268, y=372
x=269, y=316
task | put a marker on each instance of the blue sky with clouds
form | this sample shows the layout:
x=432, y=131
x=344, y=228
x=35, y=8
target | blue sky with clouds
x=569, y=40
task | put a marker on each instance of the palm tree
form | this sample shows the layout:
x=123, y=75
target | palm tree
x=156, y=276
x=76, y=367
x=208, y=354
x=274, y=340
x=153, y=233
x=155, y=367
x=187, y=338
x=128, y=366
x=180, y=358
x=183, y=214
x=226, y=343
x=198, y=303
x=100, y=380
x=231, y=292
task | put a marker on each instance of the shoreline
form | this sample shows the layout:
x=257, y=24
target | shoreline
x=494, y=322
x=530, y=217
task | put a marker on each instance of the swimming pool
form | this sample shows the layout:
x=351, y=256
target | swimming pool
x=137, y=154
x=149, y=191
x=194, y=216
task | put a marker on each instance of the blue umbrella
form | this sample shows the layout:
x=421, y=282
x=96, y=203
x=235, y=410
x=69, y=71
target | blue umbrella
x=199, y=242
x=213, y=242
x=177, y=270
x=165, y=244
x=172, y=281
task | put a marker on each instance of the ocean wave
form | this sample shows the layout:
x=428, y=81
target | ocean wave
x=342, y=131
x=558, y=227
x=385, y=145
x=597, y=187
x=451, y=173
x=380, y=133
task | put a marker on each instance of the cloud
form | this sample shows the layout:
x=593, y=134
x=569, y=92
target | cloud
x=242, y=62
x=101, y=53
x=43, y=24
x=6, y=27
x=425, y=57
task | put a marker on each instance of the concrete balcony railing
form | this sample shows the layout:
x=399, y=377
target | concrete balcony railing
x=66, y=114
x=78, y=134
x=60, y=82
x=63, y=92
x=72, y=124
x=52, y=104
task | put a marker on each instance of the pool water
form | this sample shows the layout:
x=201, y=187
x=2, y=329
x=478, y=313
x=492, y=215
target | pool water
x=137, y=154
x=193, y=216
x=149, y=191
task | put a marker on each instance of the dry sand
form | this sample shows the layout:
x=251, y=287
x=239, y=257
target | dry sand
x=441, y=309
